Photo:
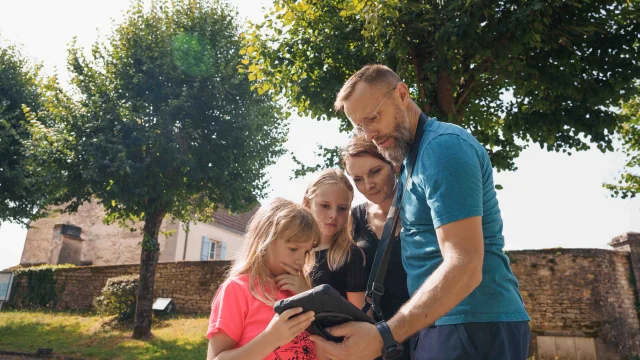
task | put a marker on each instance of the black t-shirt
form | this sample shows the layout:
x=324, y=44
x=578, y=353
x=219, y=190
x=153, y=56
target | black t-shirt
x=348, y=278
x=396, y=292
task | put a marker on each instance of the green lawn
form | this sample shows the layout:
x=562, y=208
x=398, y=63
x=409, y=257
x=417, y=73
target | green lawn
x=80, y=335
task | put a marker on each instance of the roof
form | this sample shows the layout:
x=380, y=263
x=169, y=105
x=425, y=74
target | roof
x=14, y=268
x=237, y=223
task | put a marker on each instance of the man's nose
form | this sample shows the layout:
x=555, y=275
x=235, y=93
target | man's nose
x=369, y=134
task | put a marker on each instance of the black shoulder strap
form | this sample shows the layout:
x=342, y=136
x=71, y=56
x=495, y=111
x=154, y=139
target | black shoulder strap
x=375, y=287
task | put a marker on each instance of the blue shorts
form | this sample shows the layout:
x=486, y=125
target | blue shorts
x=473, y=341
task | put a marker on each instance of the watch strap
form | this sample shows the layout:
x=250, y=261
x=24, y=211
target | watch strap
x=387, y=336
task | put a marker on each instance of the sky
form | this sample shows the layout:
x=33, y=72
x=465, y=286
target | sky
x=552, y=200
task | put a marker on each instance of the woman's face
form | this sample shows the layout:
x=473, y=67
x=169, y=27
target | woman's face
x=374, y=178
x=330, y=206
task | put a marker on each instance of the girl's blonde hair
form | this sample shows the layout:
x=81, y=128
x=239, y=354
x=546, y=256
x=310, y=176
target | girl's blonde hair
x=340, y=250
x=280, y=219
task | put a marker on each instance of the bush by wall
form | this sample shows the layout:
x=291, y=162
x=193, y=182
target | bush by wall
x=118, y=297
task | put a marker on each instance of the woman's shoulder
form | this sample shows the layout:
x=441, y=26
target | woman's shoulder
x=359, y=222
x=359, y=211
x=354, y=247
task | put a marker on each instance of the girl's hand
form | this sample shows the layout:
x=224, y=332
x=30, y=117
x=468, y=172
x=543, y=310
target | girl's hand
x=292, y=282
x=285, y=327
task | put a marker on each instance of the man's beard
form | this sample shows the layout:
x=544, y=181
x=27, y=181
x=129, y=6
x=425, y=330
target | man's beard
x=401, y=138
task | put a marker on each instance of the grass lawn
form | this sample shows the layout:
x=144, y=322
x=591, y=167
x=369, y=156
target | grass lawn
x=80, y=335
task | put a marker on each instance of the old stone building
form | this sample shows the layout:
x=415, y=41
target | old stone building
x=83, y=239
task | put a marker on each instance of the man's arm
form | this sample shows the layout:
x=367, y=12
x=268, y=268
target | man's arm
x=462, y=246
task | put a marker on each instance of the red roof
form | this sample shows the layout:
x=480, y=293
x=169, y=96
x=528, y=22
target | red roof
x=237, y=223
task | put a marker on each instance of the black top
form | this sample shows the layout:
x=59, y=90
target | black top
x=396, y=292
x=350, y=277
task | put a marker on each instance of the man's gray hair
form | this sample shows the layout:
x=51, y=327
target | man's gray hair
x=371, y=74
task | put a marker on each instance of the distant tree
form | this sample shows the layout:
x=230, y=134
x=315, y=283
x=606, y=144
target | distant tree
x=167, y=126
x=27, y=184
x=628, y=184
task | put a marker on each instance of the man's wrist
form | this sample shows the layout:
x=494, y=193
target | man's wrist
x=391, y=348
x=398, y=327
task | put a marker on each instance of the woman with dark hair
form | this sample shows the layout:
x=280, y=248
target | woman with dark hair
x=375, y=178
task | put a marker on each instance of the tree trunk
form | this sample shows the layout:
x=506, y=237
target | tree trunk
x=446, y=101
x=148, y=261
x=426, y=106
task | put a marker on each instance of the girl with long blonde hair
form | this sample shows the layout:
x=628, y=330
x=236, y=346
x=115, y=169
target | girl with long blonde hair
x=243, y=324
x=338, y=261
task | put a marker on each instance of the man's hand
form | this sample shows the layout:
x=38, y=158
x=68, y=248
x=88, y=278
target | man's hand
x=361, y=341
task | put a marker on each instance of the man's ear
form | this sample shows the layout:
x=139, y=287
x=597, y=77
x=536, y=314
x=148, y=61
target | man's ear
x=396, y=168
x=403, y=92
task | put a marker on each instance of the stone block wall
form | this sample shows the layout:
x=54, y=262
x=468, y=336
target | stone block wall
x=191, y=284
x=581, y=293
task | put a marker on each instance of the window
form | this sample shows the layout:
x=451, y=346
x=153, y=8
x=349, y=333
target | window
x=212, y=249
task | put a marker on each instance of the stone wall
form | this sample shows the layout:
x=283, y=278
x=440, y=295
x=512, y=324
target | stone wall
x=581, y=293
x=191, y=284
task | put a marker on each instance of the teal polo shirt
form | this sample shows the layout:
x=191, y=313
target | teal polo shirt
x=453, y=180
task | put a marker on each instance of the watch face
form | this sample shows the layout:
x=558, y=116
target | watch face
x=393, y=352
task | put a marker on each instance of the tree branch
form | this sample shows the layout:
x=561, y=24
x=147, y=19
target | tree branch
x=467, y=89
x=446, y=101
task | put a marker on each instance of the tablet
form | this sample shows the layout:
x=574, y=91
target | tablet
x=330, y=307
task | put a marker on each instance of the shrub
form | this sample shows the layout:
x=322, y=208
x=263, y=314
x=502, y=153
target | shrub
x=118, y=297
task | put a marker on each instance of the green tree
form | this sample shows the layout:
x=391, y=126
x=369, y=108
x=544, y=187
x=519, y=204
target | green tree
x=167, y=126
x=565, y=63
x=628, y=184
x=27, y=184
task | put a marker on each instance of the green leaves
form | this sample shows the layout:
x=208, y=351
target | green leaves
x=192, y=54
x=167, y=123
x=565, y=64
x=29, y=104
x=628, y=181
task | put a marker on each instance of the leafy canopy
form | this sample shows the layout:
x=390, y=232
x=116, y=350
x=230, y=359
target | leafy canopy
x=628, y=184
x=26, y=183
x=165, y=122
x=561, y=65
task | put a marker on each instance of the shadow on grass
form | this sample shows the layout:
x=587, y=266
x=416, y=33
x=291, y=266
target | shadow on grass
x=81, y=336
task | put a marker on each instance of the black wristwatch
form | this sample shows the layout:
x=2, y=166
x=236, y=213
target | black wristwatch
x=391, y=349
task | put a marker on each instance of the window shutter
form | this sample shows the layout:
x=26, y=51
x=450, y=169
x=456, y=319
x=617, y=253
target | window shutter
x=223, y=250
x=204, y=252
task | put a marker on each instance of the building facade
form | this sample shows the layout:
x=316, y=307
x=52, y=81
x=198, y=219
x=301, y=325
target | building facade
x=83, y=239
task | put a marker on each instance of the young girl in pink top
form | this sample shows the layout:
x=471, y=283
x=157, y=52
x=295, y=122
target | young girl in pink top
x=243, y=324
